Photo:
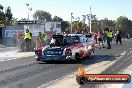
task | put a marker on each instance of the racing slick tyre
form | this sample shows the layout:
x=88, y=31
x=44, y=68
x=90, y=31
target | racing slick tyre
x=77, y=56
x=81, y=80
x=47, y=62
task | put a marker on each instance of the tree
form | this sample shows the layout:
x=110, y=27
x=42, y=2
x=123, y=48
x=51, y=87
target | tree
x=65, y=25
x=2, y=15
x=1, y=7
x=56, y=18
x=8, y=13
x=77, y=26
x=122, y=22
x=42, y=15
x=95, y=25
x=104, y=23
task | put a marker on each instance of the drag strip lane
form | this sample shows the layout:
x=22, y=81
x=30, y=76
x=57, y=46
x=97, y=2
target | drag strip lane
x=37, y=74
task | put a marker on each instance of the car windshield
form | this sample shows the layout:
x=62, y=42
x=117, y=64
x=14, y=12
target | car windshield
x=71, y=40
x=57, y=40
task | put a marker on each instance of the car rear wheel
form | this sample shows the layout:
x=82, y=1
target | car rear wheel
x=77, y=56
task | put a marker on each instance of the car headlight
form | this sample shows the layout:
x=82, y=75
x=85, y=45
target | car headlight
x=68, y=53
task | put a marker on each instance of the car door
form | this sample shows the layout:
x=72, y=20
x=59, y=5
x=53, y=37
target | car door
x=81, y=46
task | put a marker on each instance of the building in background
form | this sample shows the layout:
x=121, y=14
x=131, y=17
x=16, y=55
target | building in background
x=49, y=27
x=54, y=26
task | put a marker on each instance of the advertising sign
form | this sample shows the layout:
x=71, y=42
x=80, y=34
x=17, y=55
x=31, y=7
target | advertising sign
x=11, y=33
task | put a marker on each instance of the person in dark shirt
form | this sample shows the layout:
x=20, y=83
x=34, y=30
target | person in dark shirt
x=118, y=37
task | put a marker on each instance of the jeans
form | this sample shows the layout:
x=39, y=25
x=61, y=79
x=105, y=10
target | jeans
x=28, y=44
x=108, y=42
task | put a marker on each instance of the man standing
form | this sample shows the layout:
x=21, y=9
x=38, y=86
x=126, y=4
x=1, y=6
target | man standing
x=14, y=39
x=45, y=38
x=100, y=39
x=109, y=37
x=28, y=37
x=20, y=41
x=118, y=37
x=41, y=39
x=95, y=37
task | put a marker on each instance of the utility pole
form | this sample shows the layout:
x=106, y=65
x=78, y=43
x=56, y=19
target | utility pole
x=90, y=20
x=71, y=21
x=90, y=17
x=29, y=9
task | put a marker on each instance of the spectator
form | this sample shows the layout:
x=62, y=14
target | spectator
x=114, y=37
x=41, y=39
x=82, y=32
x=45, y=38
x=104, y=36
x=14, y=39
x=66, y=33
x=21, y=41
x=118, y=38
x=95, y=37
x=100, y=39
x=109, y=37
x=38, y=42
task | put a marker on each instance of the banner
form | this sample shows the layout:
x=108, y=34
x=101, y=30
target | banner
x=11, y=33
x=83, y=78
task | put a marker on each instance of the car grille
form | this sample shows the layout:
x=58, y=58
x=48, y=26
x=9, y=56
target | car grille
x=53, y=52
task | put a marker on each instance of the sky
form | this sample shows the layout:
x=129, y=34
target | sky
x=110, y=9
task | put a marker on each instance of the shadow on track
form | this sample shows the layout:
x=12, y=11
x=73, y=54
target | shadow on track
x=91, y=60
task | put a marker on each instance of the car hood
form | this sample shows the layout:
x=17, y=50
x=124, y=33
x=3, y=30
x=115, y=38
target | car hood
x=54, y=51
x=55, y=48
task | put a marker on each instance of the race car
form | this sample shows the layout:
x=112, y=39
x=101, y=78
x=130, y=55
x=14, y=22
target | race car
x=62, y=48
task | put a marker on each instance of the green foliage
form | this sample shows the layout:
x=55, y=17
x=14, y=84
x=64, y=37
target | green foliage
x=122, y=22
x=2, y=16
x=8, y=14
x=65, y=25
x=77, y=26
x=56, y=18
x=42, y=15
x=1, y=7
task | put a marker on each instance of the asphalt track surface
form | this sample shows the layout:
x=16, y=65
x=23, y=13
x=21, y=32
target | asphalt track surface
x=27, y=73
